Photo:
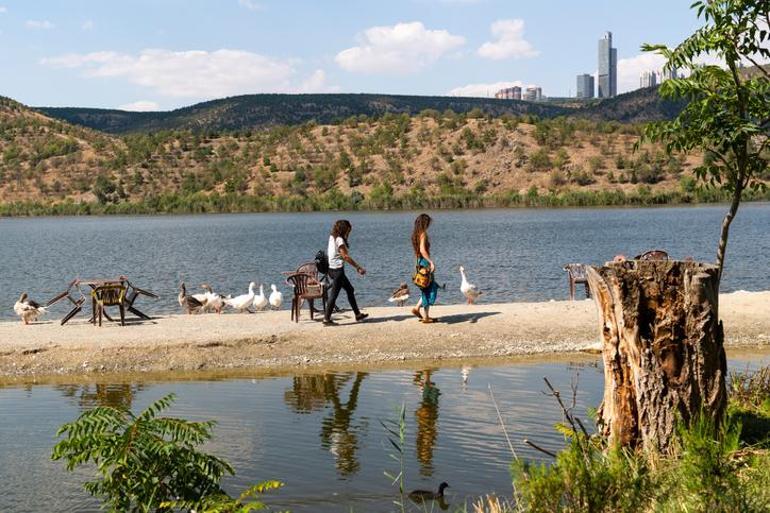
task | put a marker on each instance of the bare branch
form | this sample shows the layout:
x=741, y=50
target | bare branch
x=537, y=447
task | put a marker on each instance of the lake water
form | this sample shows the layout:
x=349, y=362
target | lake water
x=513, y=255
x=318, y=433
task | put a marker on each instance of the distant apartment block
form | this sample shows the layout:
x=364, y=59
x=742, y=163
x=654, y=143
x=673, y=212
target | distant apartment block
x=533, y=94
x=648, y=79
x=509, y=93
x=585, y=86
x=668, y=74
x=608, y=68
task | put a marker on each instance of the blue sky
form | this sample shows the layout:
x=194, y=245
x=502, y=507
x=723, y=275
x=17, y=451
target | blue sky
x=163, y=54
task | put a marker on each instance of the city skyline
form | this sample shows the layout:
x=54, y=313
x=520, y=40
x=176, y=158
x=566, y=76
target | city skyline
x=146, y=55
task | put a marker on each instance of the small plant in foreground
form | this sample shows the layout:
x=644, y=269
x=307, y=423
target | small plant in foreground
x=149, y=463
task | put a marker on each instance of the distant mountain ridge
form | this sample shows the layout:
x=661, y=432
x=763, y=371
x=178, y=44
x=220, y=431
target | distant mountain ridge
x=264, y=110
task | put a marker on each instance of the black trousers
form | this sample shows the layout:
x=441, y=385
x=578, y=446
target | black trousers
x=339, y=281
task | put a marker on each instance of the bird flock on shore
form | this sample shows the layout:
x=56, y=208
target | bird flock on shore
x=209, y=301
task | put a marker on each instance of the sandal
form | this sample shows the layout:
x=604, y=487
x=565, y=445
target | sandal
x=416, y=313
x=428, y=320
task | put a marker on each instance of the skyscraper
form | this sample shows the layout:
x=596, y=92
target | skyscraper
x=585, y=86
x=648, y=79
x=608, y=67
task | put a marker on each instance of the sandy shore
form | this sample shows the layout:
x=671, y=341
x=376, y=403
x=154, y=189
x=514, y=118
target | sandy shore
x=270, y=341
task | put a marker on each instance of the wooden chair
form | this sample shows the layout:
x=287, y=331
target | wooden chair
x=109, y=295
x=306, y=287
x=576, y=273
x=132, y=293
x=653, y=254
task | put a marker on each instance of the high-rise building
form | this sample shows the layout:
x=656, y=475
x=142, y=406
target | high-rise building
x=648, y=79
x=530, y=94
x=668, y=74
x=509, y=93
x=585, y=86
x=608, y=68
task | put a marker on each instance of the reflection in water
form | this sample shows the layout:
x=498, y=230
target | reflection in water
x=427, y=421
x=338, y=433
x=100, y=394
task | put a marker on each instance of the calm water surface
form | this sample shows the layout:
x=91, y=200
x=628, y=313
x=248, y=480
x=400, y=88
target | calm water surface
x=319, y=433
x=513, y=255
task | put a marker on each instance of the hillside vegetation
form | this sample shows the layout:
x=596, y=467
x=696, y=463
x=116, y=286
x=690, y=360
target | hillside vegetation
x=432, y=159
x=266, y=110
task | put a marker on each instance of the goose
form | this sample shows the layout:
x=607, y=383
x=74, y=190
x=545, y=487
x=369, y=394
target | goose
x=27, y=309
x=242, y=302
x=260, y=300
x=276, y=298
x=189, y=303
x=466, y=374
x=427, y=495
x=469, y=290
x=213, y=301
x=400, y=296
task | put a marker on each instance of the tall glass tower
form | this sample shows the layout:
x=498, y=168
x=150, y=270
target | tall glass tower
x=608, y=68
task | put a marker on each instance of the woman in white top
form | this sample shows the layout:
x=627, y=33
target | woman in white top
x=338, y=254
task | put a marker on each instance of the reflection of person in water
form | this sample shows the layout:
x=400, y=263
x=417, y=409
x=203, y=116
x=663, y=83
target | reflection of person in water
x=427, y=421
x=338, y=434
x=100, y=394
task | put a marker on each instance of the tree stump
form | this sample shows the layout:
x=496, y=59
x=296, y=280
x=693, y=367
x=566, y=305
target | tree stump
x=663, y=351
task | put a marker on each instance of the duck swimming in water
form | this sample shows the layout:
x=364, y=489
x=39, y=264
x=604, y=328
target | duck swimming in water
x=427, y=495
x=27, y=309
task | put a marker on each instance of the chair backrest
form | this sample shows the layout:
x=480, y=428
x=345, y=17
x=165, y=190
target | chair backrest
x=309, y=268
x=305, y=284
x=576, y=271
x=653, y=254
x=110, y=295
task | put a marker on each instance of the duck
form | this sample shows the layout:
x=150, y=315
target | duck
x=260, y=300
x=189, y=303
x=469, y=290
x=466, y=374
x=27, y=309
x=276, y=298
x=400, y=296
x=427, y=495
x=213, y=301
x=242, y=302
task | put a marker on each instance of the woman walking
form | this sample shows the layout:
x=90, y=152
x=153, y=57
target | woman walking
x=421, y=246
x=339, y=254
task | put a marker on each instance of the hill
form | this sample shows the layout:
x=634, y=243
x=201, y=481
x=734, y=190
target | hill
x=430, y=160
x=640, y=106
x=264, y=110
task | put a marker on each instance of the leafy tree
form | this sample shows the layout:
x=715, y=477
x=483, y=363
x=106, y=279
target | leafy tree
x=149, y=463
x=728, y=114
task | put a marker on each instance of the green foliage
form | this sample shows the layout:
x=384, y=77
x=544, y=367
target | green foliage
x=539, y=160
x=396, y=436
x=728, y=111
x=144, y=461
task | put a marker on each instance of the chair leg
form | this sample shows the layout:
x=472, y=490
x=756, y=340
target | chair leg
x=101, y=311
x=312, y=310
x=122, y=315
x=571, y=289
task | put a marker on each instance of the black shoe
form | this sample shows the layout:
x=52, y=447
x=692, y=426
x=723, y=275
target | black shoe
x=330, y=323
x=360, y=317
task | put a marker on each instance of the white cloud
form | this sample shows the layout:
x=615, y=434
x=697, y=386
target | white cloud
x=401, y=48
x=140, y=106
x=87, y=25
x=509, y=43
x=39, y=24
x=629, y=69
x=483, y=90
x=195, y=73
x=3, y=9
x=251, y=5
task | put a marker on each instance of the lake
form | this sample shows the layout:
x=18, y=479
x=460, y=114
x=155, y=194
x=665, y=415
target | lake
x=319, y=433
x=513, y=255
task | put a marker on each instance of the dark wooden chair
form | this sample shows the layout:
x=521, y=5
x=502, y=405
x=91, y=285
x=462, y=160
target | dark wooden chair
x=576, y=273
x=653, y=254
x=105, y=296
x=132, y=293
x=306, y=287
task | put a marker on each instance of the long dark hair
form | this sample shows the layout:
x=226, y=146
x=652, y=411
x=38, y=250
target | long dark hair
x=421, y=225
x=342, y=229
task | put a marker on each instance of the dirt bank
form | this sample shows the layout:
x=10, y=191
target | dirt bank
x=270, y=341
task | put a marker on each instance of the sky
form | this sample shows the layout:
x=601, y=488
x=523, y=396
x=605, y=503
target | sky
x=165, y=54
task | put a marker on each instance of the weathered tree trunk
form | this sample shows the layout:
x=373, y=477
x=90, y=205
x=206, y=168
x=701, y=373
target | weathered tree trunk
x=663, y=350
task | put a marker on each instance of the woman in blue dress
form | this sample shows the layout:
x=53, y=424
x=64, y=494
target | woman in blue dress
x=421, y=246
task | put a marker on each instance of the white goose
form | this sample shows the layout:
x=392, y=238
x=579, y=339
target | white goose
x=469, y=290
x=260, y=300
x=213, y=301
x=27, y=309
x=242, y=302
x=276, y=298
